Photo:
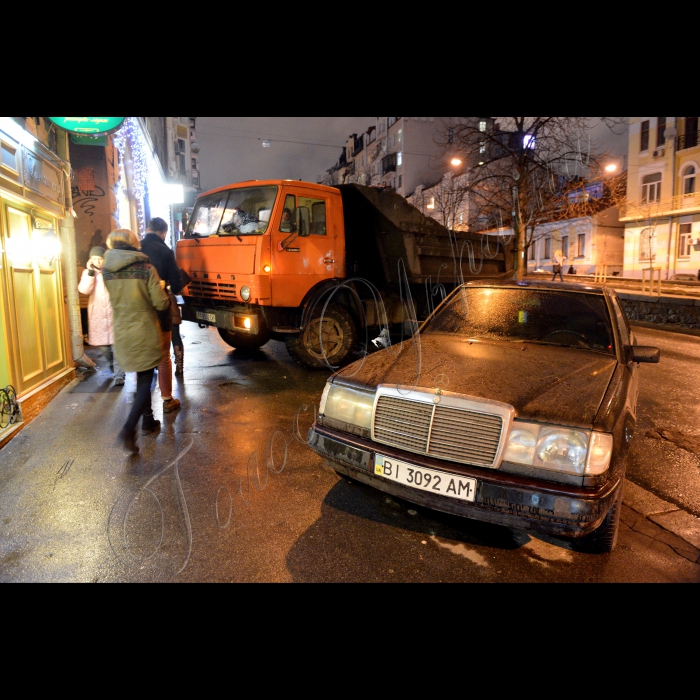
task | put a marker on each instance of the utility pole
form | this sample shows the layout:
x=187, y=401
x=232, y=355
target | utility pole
x=672, y=135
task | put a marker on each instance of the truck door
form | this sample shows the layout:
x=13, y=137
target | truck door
x=299, y=262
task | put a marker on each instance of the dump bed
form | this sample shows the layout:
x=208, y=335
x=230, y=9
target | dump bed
x=382, y=229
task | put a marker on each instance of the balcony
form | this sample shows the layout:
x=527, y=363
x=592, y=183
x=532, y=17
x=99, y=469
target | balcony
x=682, y=204
x=689, y=140
x=389, y=164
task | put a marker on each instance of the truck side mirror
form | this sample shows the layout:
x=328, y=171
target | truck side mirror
x=641, y=353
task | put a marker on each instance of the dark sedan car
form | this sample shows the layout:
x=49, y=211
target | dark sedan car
x=515, y=404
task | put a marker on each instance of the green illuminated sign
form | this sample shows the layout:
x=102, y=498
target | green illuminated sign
x=88, y=125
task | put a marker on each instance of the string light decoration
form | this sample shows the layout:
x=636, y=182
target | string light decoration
x=147, y=177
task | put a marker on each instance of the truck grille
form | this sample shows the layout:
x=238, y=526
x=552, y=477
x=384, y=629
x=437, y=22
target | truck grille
x=213, y=290
x=455, y=434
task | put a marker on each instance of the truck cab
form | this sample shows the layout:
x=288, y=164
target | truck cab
x=255, y=252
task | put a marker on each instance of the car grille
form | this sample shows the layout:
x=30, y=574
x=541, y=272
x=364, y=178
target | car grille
x=444, y=432
x=212, y=290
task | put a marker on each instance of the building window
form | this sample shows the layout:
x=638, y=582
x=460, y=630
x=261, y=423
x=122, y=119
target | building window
x=651, y=188
x=431, y=203
x=565, y=246
x=689, y=180
x=548, y=248
x=685, y=239
x=661, y=132
x=691, y=132
x=647, y=245
x=645, y=136
x=581, y=250
x=483, y=126
x=533, y=252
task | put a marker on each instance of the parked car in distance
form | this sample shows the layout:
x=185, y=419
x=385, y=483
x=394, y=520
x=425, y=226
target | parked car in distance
x=684, y=278
x=514, y=404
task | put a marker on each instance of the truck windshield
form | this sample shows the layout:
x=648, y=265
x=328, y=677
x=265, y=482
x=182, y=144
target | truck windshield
x=527, y=315
x=239, y=212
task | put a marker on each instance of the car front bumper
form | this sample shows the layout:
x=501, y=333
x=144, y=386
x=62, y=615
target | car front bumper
x=501, y=499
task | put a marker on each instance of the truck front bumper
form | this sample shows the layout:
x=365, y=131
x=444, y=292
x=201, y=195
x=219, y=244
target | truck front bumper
x=243, y=320
x=501, y=499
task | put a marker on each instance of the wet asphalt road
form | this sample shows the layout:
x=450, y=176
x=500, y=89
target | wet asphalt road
x=199, y=503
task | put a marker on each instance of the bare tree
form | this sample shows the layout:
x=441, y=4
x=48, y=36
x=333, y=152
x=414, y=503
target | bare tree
x=447, y=202
x=523, y=170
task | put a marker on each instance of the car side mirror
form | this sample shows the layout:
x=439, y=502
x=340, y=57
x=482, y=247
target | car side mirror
x=642, y=353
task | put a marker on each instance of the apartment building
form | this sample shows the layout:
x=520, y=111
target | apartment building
x=400, y=153
x=662, y=213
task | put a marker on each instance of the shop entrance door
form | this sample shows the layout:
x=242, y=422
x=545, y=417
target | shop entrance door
x=35, y=299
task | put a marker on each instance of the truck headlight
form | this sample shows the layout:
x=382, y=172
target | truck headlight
x=245, y=293
x=559, y=449
x=347, y=405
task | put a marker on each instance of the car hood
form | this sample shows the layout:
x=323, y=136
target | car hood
x=565, y=386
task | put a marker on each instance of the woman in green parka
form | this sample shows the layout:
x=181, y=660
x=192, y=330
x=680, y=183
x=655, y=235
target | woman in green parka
x=137, y=294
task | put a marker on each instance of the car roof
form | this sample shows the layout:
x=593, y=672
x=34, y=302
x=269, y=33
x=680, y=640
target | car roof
x=539, y=285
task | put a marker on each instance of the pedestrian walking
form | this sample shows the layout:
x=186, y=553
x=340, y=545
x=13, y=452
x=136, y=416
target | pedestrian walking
x=100, y=315
x=163, y=259
x=558, y=265
x=137, y=295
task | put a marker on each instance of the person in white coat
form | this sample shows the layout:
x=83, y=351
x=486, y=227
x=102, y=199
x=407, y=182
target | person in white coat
x=100, y=315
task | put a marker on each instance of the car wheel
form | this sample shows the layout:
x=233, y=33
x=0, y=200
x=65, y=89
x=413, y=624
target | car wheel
x=244, y=342
x=604, y=539
x=328, y=339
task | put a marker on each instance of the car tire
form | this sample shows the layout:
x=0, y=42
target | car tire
x=316, y=347
x=244, y=342
x=604, y=539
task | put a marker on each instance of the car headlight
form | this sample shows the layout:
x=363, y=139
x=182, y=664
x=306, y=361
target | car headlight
x=347, y=405
x=558, y=449
x=245, y=293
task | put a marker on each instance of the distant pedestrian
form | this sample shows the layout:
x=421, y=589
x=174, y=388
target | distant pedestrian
x=558, y=265
x=163, y=259
x=100, y=315
x=137, y=295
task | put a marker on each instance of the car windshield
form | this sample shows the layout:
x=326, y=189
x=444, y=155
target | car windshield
x=538, y=316
x=239, y=212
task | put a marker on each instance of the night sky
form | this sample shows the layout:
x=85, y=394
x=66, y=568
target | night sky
x=232, y=150
x=302, y=148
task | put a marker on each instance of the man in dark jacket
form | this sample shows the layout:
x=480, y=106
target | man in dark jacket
x=163, y=259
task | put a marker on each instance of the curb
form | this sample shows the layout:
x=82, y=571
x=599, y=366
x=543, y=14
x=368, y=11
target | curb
x=684, y=527
x=679, y=330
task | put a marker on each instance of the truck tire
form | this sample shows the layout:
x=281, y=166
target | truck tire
x=244, y=342
x=316, y=347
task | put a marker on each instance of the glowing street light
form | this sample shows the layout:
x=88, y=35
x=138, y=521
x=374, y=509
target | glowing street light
x=612, y=168
x=456, y=162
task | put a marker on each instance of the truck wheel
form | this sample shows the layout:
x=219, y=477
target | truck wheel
x=244, y=342
x=604, y=539
x=322, y=344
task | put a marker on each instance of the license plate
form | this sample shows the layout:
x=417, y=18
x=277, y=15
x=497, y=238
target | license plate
x=206, y=317
x=449, y=485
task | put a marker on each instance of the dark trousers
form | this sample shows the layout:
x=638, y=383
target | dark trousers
x=177, y=338
x=142, y=401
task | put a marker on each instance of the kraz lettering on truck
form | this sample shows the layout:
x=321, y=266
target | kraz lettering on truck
x=323, y=269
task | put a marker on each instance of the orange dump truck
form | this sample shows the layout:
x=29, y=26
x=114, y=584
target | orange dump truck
x=327, y=270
